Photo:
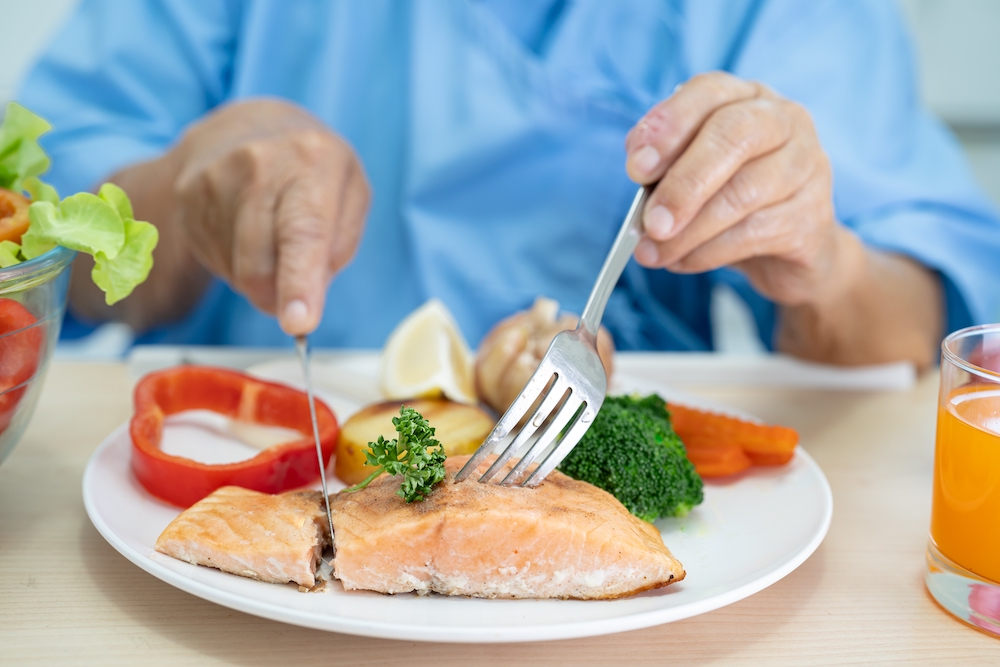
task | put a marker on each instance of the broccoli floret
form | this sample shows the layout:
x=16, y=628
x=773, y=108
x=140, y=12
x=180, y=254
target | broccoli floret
x=632, y=452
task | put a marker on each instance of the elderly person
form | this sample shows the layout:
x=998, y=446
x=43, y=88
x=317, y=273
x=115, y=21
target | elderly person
x=337, y=163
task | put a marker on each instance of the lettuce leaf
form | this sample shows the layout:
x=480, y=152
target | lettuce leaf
x=20, y=155
x=83, y=222
x=101, y=225
x=40, y=191
x=117, y=198
x=118, y=276
x=9, y=254
x=33, y=245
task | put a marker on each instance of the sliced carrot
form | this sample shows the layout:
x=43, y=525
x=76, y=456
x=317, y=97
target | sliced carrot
x=718, y=461
x=763, y=444
x=766, y=458
x=768, y=445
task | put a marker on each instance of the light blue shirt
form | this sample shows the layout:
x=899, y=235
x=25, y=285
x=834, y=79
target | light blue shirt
x=492, y=133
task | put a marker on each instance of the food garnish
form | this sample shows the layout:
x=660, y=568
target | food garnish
x=719, y=445
x=413, y=453
x=182, y=481
x=458, y=427
x=511, y=351
x=101, y=225
x=632, y=452
x=427, y=357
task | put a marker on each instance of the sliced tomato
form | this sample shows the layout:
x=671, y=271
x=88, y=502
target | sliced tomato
x=20, y=353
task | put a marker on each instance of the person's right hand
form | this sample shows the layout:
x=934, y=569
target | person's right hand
x=272, y=201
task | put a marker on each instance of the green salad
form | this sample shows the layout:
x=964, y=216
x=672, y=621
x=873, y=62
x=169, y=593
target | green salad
x=101, y=225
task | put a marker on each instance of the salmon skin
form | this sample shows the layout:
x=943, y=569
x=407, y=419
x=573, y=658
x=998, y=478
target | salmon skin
x=274, y=538
x=562, y=539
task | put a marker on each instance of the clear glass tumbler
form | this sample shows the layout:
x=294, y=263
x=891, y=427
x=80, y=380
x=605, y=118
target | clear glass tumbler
x=963, y=553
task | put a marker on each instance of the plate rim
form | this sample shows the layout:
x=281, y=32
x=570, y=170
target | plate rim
x=452, y=634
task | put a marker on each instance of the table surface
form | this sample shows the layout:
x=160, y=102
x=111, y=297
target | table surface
x=67, y=597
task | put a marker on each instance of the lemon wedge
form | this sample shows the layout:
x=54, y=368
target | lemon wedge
x=427, y=357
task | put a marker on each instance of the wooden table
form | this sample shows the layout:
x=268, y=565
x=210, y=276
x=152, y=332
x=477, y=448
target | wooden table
x=67, y=597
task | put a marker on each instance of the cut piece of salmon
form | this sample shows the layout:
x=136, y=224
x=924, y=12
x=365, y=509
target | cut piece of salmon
x=273, y=538
x=563, y=539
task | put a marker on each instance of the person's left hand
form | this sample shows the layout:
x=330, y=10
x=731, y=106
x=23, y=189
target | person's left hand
x=744, y=182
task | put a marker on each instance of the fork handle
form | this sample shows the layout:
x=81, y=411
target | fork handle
x=618, y=256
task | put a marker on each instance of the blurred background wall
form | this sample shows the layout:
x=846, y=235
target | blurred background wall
x=28, y=26
x=958, y=49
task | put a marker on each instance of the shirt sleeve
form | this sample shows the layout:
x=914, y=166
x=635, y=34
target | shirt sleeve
x=122, y=79
x=901, y=181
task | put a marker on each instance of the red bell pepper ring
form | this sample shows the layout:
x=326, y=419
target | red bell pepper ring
x=182, y=481
x=20, y=353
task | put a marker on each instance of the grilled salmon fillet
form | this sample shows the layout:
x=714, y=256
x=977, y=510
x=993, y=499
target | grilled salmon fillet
x=274, y=538
x=562, y=539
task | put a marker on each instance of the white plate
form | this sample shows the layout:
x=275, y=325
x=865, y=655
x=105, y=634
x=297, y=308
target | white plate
x=748, y=534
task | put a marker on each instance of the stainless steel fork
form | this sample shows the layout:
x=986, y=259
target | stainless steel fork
x=573, y=375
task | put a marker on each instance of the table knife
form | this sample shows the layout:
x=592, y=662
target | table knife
x=302, y=347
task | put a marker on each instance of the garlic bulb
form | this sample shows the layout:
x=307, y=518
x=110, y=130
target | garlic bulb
x=511, y=351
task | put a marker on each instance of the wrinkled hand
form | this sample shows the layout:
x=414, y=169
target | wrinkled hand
x=745, y=183
x=273, y=202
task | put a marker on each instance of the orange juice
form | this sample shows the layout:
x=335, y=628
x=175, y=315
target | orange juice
x=965, y=519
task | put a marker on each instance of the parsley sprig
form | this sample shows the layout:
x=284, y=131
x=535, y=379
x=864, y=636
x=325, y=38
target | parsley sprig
x=414, y=454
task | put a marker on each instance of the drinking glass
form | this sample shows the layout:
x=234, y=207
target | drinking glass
x=963, y=553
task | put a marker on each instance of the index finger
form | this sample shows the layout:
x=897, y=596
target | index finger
x=660, y=137
x=305, y=233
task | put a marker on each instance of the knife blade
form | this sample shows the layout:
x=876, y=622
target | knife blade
x=302, y=347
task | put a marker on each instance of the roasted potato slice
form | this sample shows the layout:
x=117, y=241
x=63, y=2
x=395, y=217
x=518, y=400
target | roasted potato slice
x=460, y=428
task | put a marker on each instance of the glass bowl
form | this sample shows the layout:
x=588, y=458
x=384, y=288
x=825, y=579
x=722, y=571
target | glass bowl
x=32, y=302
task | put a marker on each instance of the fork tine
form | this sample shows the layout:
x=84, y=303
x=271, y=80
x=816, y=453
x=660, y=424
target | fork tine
x=564, y=446
x=550, y=433
x=528, y=396
x=547, y=405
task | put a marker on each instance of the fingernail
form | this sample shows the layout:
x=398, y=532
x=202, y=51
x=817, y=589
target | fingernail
x=637, y=136
x=659, y=222
x=644, y=161
x=296, y=317
x=646, y=252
